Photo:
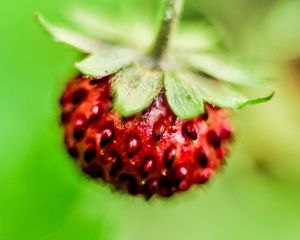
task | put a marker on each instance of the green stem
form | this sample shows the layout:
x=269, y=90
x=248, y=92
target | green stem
x=168, y=25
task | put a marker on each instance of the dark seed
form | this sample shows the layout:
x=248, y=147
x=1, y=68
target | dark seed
x=78, y=134
x=181, y=172
x=130, y=183
x=99, y=172
x=150, y=188
x=190, y=130
x=90, y=152
x=170, y=156
x=100, y=80
x=94, y=171
x=63, y=100
x=213, y=138
x=152, y=184
x=116, y=164
x=147, y=166
x=203, y=176
x=128, y=119
x=165, y=187
x=134, y=146
x=205, y=116
x=95, y=81
x=173, y=119
x=106, y=136
x=65, y=117
x=79, y=96
x=158, y=130
x=184, y=185
x=79, y=129
x=73, y=151
x=202, y=158
x=226, y=132
x=95, y=114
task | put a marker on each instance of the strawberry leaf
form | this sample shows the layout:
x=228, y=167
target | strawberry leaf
x=184, y=100
x=72, y=38
x=103, y=64
x=134, y=88
x=227, y=95
x=222, y=68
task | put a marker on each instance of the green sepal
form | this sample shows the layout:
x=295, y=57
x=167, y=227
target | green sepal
x=228, y=95
x=134, y=88
x=102, y=27
x=222, y=68
x=103, y=64
x=191, y=37
x=184, y=100
x=64, y=35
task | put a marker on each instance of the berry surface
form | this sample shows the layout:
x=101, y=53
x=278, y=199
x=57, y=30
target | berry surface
x=153, y=152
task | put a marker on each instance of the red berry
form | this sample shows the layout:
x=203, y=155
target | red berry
x=153, y=152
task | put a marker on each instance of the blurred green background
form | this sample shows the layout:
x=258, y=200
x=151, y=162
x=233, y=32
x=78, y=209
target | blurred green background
x=44, y=197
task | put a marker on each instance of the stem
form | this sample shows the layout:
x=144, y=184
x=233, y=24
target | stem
x=168, y=25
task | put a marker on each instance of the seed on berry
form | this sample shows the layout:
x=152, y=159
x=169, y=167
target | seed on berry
x=190, y=130
x=165, y=186
x=181, y=172
x=79, y=129
x=184, y=185
x=226, y=132
x=134, y=146
x=116, y=165
x=213, y=138
x=152, y=184
x=79, y=96
x=202, y=158
x=65, y=117
x=205, y=116
x=147, y=166
x=203, y=176
x=158, y=130
x=90, y=151
x=170, y=156
x=106, y=136
x=63, y=101
x=130, y=183
x=95, y=171
x=95, y=114
x=73, y=151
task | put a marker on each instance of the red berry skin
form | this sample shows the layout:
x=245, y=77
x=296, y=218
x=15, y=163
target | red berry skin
x=153, y=152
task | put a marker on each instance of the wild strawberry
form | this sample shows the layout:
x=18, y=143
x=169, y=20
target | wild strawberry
x=153, y=152
x=153, y=123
